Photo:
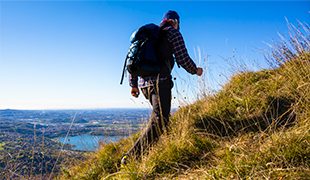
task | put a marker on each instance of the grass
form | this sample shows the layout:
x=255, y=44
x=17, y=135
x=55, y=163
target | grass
x=256, y=127
x=1, y=146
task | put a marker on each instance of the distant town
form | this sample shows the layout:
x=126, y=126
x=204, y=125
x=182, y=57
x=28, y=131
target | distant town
x=29, y=138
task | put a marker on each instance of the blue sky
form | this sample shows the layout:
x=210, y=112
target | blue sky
x=69, y=54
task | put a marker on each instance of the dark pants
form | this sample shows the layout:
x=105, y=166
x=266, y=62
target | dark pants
x=159, y=96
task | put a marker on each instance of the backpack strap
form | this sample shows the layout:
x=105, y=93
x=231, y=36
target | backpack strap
x=124, y=69
x=168, y=62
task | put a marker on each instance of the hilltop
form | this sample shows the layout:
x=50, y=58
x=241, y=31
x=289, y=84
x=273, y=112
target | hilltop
x=257, y=126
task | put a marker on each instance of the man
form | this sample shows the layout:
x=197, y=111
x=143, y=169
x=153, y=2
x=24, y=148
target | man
x=157, y=88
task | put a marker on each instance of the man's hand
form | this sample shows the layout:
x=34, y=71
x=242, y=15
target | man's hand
x=135, y=92
x=199, y=71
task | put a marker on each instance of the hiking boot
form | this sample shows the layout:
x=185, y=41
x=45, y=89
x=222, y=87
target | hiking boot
x=124, y=160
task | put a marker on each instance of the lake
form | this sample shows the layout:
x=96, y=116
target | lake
x=88, y=142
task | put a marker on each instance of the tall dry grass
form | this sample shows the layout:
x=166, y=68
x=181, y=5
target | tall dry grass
x=256, y=127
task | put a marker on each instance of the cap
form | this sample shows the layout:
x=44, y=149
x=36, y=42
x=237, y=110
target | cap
x=172, y=15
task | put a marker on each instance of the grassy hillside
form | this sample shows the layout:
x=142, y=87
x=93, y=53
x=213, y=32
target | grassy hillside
x=257, y=127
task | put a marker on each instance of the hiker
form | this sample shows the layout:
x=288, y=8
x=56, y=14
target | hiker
x=157, y=88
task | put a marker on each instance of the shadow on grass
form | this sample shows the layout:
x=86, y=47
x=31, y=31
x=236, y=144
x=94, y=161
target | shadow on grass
x=279, y=114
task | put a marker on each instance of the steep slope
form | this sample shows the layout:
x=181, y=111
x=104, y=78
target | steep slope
x=257, y=126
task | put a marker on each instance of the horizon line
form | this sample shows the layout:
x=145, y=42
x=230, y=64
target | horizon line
x=68, y=109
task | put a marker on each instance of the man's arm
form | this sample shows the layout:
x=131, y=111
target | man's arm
x=133, y=82
x=180, y=51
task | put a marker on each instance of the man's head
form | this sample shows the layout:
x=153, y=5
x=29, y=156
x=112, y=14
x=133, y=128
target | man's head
x=172, y=15
x=172, y=18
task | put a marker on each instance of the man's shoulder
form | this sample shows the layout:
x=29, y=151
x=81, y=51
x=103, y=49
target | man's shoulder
x=169, y=28
x=171, y=31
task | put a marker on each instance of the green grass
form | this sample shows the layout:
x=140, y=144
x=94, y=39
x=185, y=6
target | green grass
x=256, y=127
x=2, y=146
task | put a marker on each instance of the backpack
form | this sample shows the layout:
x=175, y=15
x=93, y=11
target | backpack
x=142, y=58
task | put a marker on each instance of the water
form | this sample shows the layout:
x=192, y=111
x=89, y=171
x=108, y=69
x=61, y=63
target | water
x=88, y=142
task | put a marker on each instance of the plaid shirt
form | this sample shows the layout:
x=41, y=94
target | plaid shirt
x=180, y=54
